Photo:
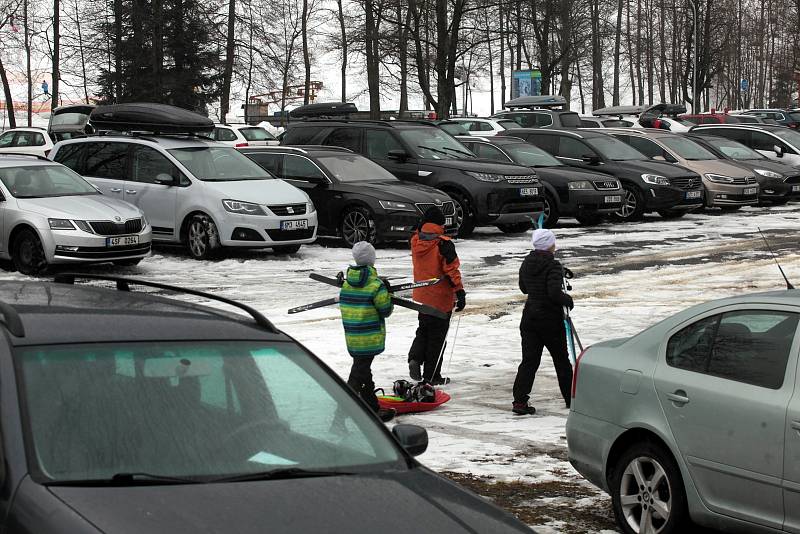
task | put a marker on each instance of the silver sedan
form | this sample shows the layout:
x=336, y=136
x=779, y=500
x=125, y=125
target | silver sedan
x=49, y=214
x=696, y=419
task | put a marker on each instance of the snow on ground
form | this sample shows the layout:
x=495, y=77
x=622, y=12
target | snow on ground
x=627, y=277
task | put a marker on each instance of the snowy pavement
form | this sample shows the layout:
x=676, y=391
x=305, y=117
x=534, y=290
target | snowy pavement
x=627, y=277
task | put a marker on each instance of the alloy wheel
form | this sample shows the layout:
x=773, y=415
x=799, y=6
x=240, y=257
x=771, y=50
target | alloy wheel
x=30, y=256
x=546, y=209
x=628, y=205
x=645, y=496
x=198, y=239
x=357, y=226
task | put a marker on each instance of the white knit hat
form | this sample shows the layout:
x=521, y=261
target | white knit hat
x=543, y=239
x=364, y=253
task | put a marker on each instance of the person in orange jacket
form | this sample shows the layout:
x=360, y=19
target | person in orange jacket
x=434, y=256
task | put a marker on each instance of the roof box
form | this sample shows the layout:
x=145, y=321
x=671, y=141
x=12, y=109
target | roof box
x=148, y=117
x=323, y=109
x=542, y=101
x=619, y=111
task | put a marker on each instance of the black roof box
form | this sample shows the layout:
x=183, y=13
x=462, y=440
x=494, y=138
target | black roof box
x=323, y=109
x=148, y=117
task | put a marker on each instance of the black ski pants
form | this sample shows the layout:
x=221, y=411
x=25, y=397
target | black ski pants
x=360, y=380
x=427, y=346
x=536, y=335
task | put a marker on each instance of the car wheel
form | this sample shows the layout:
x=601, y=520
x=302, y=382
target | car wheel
x=647, y=491
x=128, y=263
x=358, y=224
x=286, y=249
x=28, y=254
x=632, y=205
x=202, y=237
x=671, y=214
x=464, y=213
x=516, y=228
x=551, y=211
x=589, y=219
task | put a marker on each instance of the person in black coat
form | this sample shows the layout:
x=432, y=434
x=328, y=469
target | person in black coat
x=541, y=278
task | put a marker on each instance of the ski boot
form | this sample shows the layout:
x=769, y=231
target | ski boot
x=523, y=408
x=415, y=370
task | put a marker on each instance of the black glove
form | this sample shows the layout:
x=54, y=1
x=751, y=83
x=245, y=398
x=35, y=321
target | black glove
x=461, y=299
x=570, y=303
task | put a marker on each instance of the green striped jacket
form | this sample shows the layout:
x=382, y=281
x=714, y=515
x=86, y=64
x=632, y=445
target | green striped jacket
x=364, y=304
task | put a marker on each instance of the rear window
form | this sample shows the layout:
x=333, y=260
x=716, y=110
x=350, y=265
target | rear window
x=298, y=135
x=256, y=134
x=570, y=120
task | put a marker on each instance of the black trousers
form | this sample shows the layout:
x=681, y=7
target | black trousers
x=537, y=334
x=361, y=380
x=428, y=343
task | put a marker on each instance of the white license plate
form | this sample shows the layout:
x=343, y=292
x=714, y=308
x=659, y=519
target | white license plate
x=751, y=191
x=693, y=194
x=448, y=221
x=613, y=199
x=122, y=241
x=300, y=224
x=529, y=192
x=795, y=188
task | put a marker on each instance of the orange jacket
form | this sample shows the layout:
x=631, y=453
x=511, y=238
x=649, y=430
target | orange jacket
x=434, y=256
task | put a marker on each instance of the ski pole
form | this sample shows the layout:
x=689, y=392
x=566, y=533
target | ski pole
x=453, y=348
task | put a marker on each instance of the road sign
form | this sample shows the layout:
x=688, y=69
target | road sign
x=744, y=85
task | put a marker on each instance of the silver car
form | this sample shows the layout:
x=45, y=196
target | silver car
x=49, y=214
x=696, y=419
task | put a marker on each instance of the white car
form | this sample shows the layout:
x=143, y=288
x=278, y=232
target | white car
x=485, y=127
x=34, y=141
x=242, y=135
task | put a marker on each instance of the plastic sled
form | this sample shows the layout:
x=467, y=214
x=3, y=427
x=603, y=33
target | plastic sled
x=390, y=401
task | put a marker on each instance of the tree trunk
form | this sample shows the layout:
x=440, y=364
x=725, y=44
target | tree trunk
x=491, y=66
x=598, y=92
x=158, y=48
x=12, y=120
x=56, y=54
x=403, y=52
x=630, y=51
x=118, y=50
x=373, y=61
x=617, y=42
x=502, y=59
x=28, y=71
x=306, y=58
x=343, y=28
x=227, y=73
x=81, y=53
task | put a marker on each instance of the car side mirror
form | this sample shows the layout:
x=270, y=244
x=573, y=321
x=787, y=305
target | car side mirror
x=778, y=151
x=397, y=155
x=591, y=159
x=165, y=179
x=413, y=438
x=659, y=158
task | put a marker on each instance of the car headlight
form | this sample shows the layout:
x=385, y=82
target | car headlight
x=580, y=184
x=486, y=176
x=144, y=221
x=243, y=208
x=310, y=207
x=655, y=179
x=391, y=205
x=769, y=174
x=719, y=178
x=83, y=225
x=61, y=224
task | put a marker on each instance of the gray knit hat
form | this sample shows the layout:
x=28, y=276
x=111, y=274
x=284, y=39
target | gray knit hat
x=364, y=253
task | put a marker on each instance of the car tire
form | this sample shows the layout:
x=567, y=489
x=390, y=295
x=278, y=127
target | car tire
x=128, y=263
x=589, y=219
x=671, y=214
x=358, y=224
x=551, y=211
x=780, y=201
x=464, y=213
x=634, y=501
x=28, y=255
x=632, y=204
x=516, y=228
x=286, y=249
x=202, y=237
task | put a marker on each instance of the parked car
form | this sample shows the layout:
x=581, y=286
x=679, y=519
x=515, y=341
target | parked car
x=485, y=127
x=775, y=142
x=778, y=183
x=195, y=192
x=539, y=112
x=34, y=141
x=485, y=193
x=129, y=412
x=356, y=199
x=241, y=135
x=726, y=185
x=648, y=185
x=660, y=116
x=782, y=117
x=569, y=191
x=719, y=118
x=50, y=215
x=695, y=419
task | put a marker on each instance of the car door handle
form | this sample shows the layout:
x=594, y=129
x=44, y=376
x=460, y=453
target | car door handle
x=130, y=191
x=679, y=397
x=115, y=190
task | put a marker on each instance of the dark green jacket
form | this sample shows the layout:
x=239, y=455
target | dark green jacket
x=364, y=304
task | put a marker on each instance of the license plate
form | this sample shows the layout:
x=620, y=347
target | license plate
x=300, y=224
x=529, y=192
x=616, y=199
x=693, y=194
x=751, y=191
x=122, y=241
x=795, y=188
x=448, y=221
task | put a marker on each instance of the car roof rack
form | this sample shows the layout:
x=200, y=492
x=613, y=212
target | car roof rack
x=540, y=101
x=156, y=118
x=124, y=284
x=11, y=319
x=22, y=154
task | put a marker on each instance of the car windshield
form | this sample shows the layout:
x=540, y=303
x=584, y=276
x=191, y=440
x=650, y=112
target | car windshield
x=40, y=181
x=687, y=149
x=614, y=149
x=433, y=143
x=734, y=150
x=195, y=410
x=531, y=156
x=507, y=124
x=219, y=164
x=791, y=136
x=257, y=134
x=355, y=168
x=794, y=115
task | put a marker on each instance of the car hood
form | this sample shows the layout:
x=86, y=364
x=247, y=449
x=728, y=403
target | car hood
x=786, y=170
x=568, y=174
x=476, y=166
x=329, y=504
x=398, y=191
x=650, y=167
x=717, y=166
x=272, y=191
x=87, y=208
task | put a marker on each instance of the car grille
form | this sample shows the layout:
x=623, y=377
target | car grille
x=792, y=179
x=101, y=253
x=448, y=208
x=522, y=179
x=606, y=185
x=131, y=226
x=744, y=181
x=288, y=209
x=290, y=235
x=686, y=183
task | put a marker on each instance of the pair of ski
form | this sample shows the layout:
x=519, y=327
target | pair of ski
x=572, y=334
x=338, y=281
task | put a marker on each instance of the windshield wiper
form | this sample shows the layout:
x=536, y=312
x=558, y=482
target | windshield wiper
x=126, y=479
x=433, y=149
x=279, y=474
x=457, y=151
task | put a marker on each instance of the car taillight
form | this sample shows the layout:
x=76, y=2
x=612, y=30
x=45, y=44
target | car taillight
x=575, y=371
x=240, y=145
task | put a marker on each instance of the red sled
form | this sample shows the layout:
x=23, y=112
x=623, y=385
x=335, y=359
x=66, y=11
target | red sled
x=388, y=401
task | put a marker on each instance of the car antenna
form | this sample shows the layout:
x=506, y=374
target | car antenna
x=788, y=283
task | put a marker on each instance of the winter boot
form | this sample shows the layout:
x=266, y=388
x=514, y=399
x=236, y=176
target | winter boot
x=386, y=414
x=440, y=381
x=522, y=408
x=415, y=370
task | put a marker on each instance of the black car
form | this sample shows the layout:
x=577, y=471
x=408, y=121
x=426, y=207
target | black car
x=125, y=413
x=355, y=198
x=485, y=193
x=649, y=185
x=778, y=183
x=540, y=112
x=569, y=191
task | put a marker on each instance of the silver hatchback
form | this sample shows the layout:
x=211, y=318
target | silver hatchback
x=696, y=419
x=49, y=214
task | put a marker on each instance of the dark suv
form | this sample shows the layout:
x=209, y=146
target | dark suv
x=127, y=412
x=541, y=118
x=649, y=185
x=485, y=193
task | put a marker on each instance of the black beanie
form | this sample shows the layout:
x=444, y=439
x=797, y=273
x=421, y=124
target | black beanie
x=433, y=215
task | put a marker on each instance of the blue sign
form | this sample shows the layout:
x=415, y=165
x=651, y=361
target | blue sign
x=744, y=85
